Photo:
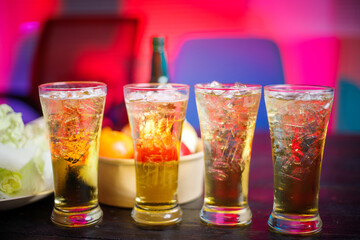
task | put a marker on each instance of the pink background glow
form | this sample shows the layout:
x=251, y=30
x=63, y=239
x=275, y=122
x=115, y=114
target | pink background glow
x=309, y=34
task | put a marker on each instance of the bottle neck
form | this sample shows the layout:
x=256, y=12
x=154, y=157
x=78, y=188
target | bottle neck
x=158, y=48
x=159, y=71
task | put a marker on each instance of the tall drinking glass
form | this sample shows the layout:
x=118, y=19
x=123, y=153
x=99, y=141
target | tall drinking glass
x=298, y=119
x=227, y=115
x=73, y=112
x=156, y=113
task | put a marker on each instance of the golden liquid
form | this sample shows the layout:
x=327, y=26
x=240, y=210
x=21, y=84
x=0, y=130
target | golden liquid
x=232, y=192
x=298, y=131
x=74, y=126
x=294, y=195
x=156, y=129
x=156, y=183
x=227, y=129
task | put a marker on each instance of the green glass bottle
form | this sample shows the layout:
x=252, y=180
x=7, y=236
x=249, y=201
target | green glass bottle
x=159, y=68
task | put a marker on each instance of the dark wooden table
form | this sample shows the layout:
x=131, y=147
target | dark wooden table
x=339, y=205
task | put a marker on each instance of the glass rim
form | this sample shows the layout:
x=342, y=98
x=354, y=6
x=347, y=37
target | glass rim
x=66, y=86
x=154, y=86
x=298, y=88
x=227, y=85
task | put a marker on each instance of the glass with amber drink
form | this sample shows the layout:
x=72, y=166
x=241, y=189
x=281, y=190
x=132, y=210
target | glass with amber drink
x=227, y=115
x=298, y=119
x=73, y=112
x=156, y=113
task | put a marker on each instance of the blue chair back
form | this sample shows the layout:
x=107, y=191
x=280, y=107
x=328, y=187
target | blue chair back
x=228, y=60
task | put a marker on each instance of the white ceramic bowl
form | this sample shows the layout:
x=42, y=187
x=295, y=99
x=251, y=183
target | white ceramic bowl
x=117, y=185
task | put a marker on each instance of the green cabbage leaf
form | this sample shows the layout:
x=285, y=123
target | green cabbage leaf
x=25, y=160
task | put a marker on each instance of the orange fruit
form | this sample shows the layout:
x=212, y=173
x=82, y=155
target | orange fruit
x=126, y=130
x=115, y=144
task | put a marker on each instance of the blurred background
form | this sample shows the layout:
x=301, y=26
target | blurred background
x=248, y=41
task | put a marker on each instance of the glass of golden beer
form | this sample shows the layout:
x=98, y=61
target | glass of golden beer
x=227, y=115
x=298, y=118
x=156, y=113
x=73, y=112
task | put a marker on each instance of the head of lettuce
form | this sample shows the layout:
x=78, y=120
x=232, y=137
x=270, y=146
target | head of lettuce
x=25, y=161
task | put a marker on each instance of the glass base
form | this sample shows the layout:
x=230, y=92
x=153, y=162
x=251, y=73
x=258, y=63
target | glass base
x=156, y=217
x=76, y=218
x=226, y=216
x=295, y=224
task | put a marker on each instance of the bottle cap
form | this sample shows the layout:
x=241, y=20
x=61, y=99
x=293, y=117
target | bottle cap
x=158, y=42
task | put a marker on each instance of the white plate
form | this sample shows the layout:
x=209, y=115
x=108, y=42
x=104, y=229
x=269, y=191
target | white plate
x=11, y=203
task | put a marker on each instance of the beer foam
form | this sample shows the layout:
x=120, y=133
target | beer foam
x=164, y=95
x=303, y=96
x=79, y=94
x=225, y=90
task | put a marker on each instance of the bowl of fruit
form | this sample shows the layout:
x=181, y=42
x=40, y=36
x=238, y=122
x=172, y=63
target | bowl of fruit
x=117, y=181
